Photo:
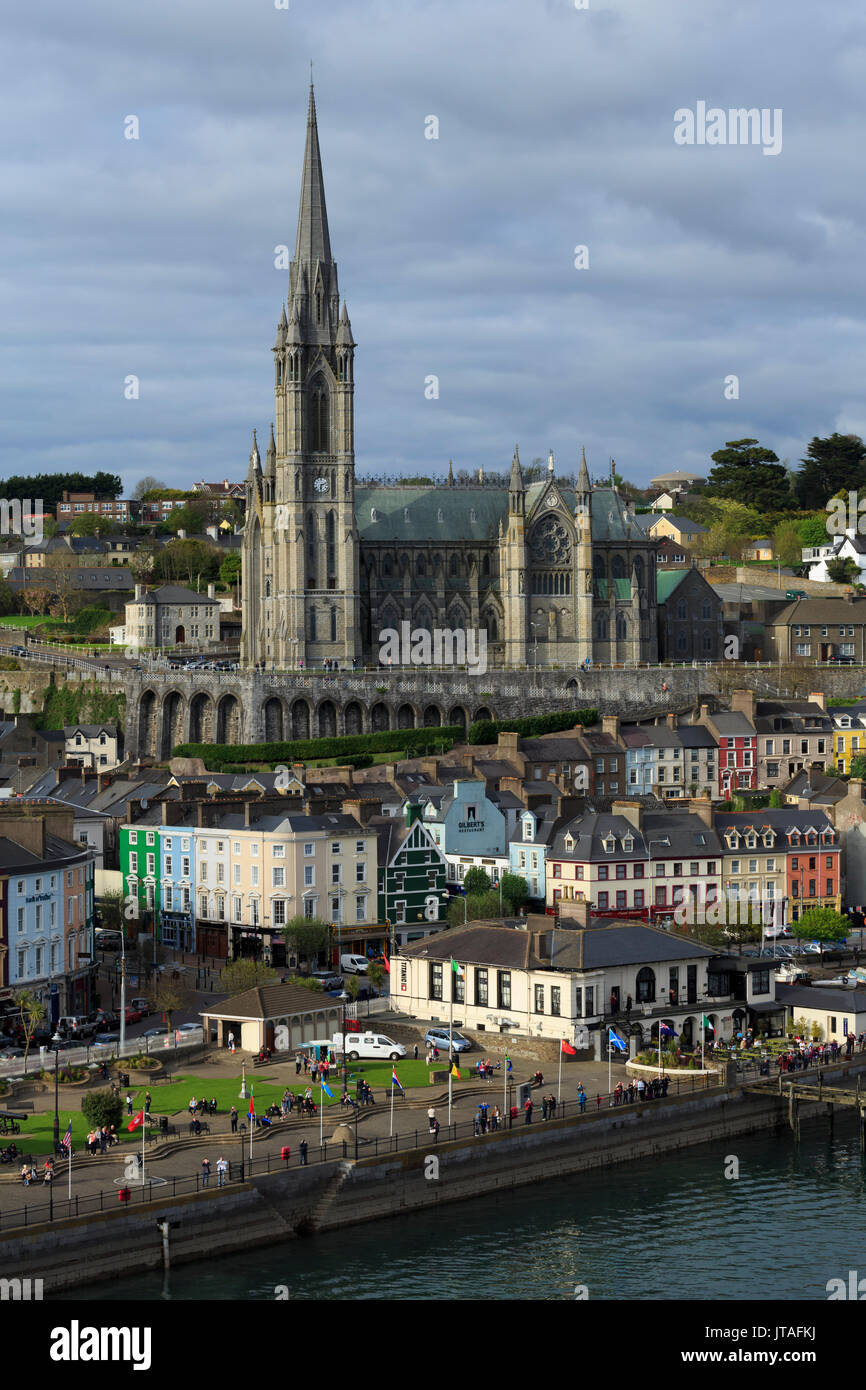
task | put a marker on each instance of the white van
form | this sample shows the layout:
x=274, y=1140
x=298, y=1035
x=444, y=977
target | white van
x=369, y=1045
x=354, y=965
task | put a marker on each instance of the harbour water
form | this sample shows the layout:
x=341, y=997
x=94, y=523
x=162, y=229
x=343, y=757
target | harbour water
x=677, y=1228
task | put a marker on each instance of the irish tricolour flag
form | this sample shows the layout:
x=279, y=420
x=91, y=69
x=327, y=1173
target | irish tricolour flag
x=458, y=970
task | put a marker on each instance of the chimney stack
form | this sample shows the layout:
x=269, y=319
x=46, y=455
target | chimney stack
x=819, y=698
x=702, y=806
x=610, y=725
x=632, y=811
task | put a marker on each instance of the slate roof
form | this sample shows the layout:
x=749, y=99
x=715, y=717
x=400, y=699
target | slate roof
x=781, y=819
x=606, y=943
x=823, y=611
x=270, y=1001
x=681, y=829
x=174, y=593
x=732, y=723
x=837, y=1001
x=683, y=525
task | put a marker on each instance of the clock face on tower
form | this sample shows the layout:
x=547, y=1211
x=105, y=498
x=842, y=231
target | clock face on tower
x=321, y=485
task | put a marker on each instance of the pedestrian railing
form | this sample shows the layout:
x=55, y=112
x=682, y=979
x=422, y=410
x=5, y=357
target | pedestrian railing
x=304, y=1154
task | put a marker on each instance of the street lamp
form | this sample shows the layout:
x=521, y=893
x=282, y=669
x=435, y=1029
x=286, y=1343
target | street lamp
x=55, y=1043
x=535, y=639
x=344, y=999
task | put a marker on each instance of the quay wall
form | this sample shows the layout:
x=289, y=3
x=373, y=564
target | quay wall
x=271, y=1208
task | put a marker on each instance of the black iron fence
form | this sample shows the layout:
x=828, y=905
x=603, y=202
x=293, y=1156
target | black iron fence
x=299, y=1153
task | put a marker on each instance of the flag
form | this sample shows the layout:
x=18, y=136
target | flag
x=395, y=1080
x=252, y=1106
x=67, y=1138
x=458, y=970
x=508, y=1062
x=706, y=1022
x=666, y=1031
x=387, y=964
x=136, y=1121
x=617, y=1041
x=567, y=1047
x=327, y=1090
x=454, y=1071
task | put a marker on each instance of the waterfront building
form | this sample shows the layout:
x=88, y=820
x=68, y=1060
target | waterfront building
x=279, y=1017
x=412, y=892
x=46, y=911
x=794, y=854
x=469, y=829
x=570, y=983
x=837, y=1012
x=636, y=863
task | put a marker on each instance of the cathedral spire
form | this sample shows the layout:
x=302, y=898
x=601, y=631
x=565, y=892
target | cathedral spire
x=313, y=241
x=515, y=483
x=583, y=483
x=450, y=472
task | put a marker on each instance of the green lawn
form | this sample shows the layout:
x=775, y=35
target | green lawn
x=22, y=620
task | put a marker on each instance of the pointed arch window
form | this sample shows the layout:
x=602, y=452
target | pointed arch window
x=639, y=571
x=618, y=569
x=311, y=551
x=312, y=624
x=331, y=537
x=333, y=623
x=485, y=565
x=621, y=633
x=319, y=419
x=453, y=566
x=420, y=567
x=386, y=566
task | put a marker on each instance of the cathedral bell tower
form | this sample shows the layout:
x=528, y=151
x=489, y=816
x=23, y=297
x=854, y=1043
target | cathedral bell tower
x=300, y=541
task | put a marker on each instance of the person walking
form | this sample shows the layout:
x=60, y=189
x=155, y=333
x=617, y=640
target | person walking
x=222, y=1169
x=528, y=1107
x=128, y=1104
x=415, y=1052
x=234, y=1119
x=431, y=1118
x=231, y=1042
x=303, y=1153
x=205, y=1172
x=581, y=1099
x=147, y=1102
x=298, y=1063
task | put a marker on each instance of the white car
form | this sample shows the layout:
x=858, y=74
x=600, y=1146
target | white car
x=369, y=1045
x=354, y=965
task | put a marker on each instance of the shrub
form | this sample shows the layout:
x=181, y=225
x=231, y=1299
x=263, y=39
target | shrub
x=305, y=750
x=102, y=1108
x=486, y=730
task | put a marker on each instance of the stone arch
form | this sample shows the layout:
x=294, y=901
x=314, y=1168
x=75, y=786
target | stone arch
x=571, y=685
x=201, y=729
x=327, y=719
x=229, y=720
x=405, y=717
x=147, y=723
x=172, y=723
x=300, y=719
x=380, y=717
x=483, y=713
x=273, y=720
x=353, y=718
x=457, y=715
x=432, y=717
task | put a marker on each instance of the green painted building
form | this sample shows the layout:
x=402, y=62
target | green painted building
x=139, y=853
x=412, y=891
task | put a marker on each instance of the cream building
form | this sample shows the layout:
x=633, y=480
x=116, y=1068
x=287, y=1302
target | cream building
x=172, y=616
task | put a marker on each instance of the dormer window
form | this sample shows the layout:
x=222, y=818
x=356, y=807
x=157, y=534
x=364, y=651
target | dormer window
x=732, y=839
x=751, y=840
x=374, y=515
x=528, y=829
x=768, y=839
x=569, y=842
x=473, y=515
x=609, y=845
x=628, y=844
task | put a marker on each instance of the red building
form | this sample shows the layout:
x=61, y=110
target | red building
x=737, y=738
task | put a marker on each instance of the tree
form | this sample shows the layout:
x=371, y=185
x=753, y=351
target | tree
x=474, y=907
x=307, y=936
x=745, y=469
x=188, y=559
x=515, y=892
x=230, y=570
x=776, y=801
x=376, y=974
x=110, y=907
x=476, y=881
x=102, y=1108
x=31, y=1012
x=35, y=600
x=7, y=599
x=821, y=924
x=843, y=570
x=787, y=545
x=244, y=973
x=192, y=518
x=170, y=995
x=90, y=524
x=64, y=581
x=353, y=988
x=145, y=485
x=834, y=462
x=812, y=530
x=858, y=768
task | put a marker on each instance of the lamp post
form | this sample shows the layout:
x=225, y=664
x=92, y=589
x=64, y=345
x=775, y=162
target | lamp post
x=344, y=999
x=535, y=639
x=55, y=1041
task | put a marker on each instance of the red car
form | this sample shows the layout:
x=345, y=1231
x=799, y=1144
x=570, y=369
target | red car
x=133, y=1015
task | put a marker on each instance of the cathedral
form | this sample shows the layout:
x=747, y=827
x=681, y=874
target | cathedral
x=554, y=575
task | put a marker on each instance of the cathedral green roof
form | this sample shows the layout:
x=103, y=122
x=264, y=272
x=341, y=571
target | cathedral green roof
x=458, y=506
x=621, y=588
x=667, y=581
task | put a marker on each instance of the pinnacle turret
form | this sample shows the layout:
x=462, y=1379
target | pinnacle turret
x=313, y=240
x=515, y=482
x=583, y=483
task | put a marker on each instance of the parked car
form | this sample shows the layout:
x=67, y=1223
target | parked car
x=76, y=1026
x=106, y=1039
x=354, y=965
x=144, y=1006
x=328, y=979
x=369, y=1045
x=155, y=1032
x=132, y=1015
x=438, y=1037
x=189, y=1027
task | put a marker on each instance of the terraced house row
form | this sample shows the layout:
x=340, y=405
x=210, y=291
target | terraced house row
x=225, y=879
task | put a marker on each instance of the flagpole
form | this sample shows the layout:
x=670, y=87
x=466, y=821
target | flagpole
x=559, y=1082
x=250, y=1123
x=69, y=1160
x=451, y=1044
x=609, y=1058
x=505, y=1089
x=143, y=1133
x=321, y=1114
x=391, y=1131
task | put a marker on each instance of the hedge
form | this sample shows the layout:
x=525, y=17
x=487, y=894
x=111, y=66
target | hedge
x=486, y=730
x=414, y=741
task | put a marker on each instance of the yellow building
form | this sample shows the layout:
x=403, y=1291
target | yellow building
x=849, y=735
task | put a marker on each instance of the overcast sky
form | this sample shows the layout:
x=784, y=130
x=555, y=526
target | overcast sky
x=456, y=256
